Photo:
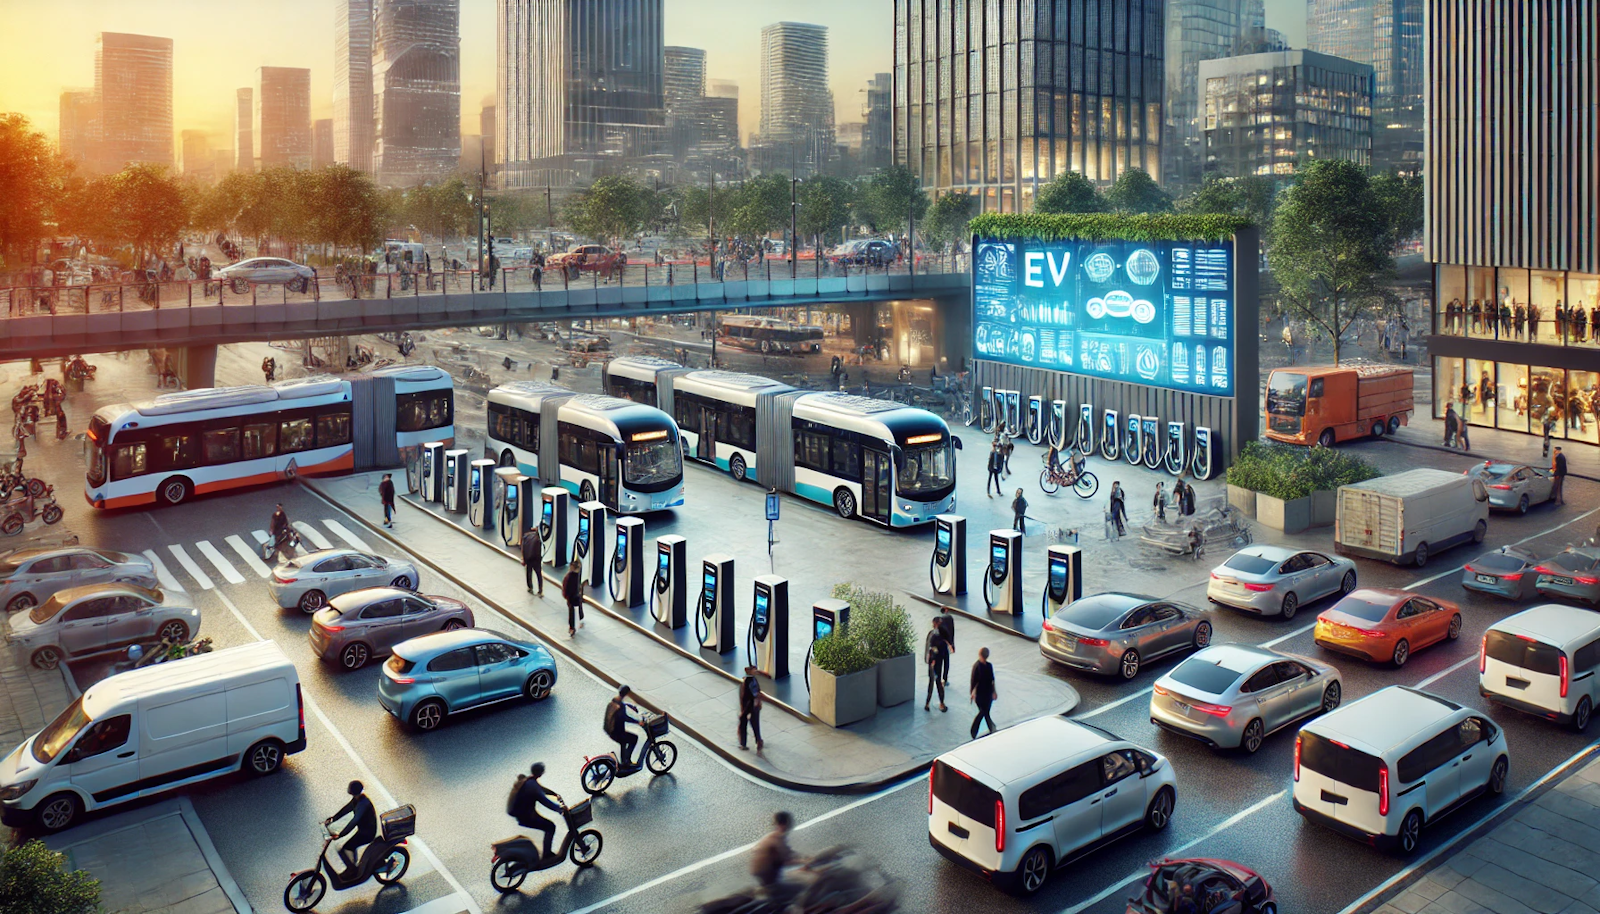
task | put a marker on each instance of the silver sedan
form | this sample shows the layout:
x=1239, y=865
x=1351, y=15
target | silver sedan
x=308, y=581
x=1233, y=695
x=97, y=618
x=1508, y=572
x=273, y=270
x=1514, y=486
x=1272, y=580
x=28, y=577
x=1115, y=634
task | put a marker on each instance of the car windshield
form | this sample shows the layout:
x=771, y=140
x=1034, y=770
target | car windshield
x=1204, y=675
x=61, y=732
x=1286, y=393
x=926, y=469
x=1366, y=610
x=1572, y=561
x=1249, y=564
x=1498, y=561
x=652, y=462
x=1094, y=613
x=1497, y=470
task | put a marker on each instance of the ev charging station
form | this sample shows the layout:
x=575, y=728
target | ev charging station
x=1175, y=457
x=827, y=617
x=1035, y=419
x=626, y=580
x=1206, y=457
x=508, y=489
x=1057, y=429
x=553, y=525
x=1064, y=578
x=669, y=589
x=1013, y=412
x=433, y=471
x=1085, y=436
x=589, y=545
x=480, y=493
x=1150, y=441
x=713, y=619
x=455, y=480
x=1110, y=436
x=1002, y=583
x=947, y=570
x=988, y=416
x=1132, y=438
x=767, y=644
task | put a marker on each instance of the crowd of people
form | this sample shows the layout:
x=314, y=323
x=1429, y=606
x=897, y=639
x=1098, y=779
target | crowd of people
x=1514, y=320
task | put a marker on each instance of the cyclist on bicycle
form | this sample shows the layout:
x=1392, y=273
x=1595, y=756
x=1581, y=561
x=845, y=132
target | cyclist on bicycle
x=616, y=724
x=1052, y=459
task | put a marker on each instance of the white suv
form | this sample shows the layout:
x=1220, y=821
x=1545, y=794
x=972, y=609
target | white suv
x=1018, y=803
x=1381, y=768
x=1543, y=661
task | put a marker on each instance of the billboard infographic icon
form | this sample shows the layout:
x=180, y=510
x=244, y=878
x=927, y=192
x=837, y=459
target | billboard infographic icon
x=1159, y=314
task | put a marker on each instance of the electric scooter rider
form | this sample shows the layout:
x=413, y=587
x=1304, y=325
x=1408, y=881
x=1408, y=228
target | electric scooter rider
x=616, y=724
x=363, y=826
x=526, y=798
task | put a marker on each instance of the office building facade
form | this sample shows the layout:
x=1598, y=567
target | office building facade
x=877, y=113
x=244, y=134
x=1196, y=30
x=322, y=142
x=993, y=102
x=133, y=88
x=197, y=160
x=1511, y=223
x=352, y=83
x=283, y=116
x=416, y=90
x=796, y=129
x=79, y=126
x=1388, y=35
x=1266, y=114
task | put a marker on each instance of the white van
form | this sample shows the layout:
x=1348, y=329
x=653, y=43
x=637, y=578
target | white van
x=146, y=731
x=1020, y=802
x=1381, y=768
x=1543, y=661
x=1410, y=516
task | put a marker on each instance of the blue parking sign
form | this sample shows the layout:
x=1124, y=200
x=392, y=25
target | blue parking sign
x=772, y=506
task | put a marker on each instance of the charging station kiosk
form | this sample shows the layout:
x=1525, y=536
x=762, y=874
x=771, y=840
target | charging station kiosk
x=713, y=621
x=827, y=617
x=669, y=589
x=509, y=520
x=1150, y=442
x=1013, y=412
x=589, y=545
x=553, y=526
x=1057, y=428
x=947, y=570
x=455, y=480
x=767, y=645
x=1085, y=434
x=1063, y=581
x=626, y=580
x=988, y=415
x=1207, y=446
x=1176, y=456
x=433, y=471
x=1132, y=438
x=1035, y=420
x=480, y=494
x=1110, y=436
x=1002, y=583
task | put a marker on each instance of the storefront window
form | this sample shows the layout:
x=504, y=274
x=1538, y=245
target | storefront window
x=1583, y=290
x=1480, y=293
x=1446, y=385
x=1547, y=401
x=1549, y=291
x=1450, y=296
x=1479, y=405
x=1541, y=304
x=1583, y=406
x=1512, y=406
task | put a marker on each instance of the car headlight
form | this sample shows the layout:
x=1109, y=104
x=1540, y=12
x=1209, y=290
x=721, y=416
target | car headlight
x=17, y=791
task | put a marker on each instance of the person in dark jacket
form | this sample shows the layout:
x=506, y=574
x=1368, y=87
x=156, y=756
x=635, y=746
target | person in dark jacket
x=386, y=496
x=532, y=556
x=750, y=708
x=282, y=534
x=526, y=798
x=982, y=690
x=1119, y=508
x=1558, y=468
x=997, y=462
x=936, y=654
x=1451, y=423
x=947, y=627
x=572, y=592
x=363, y=825
x=1160, y=502
x=1019, y=514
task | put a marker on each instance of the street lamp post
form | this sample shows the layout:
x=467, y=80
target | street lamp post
x=549, y=215
x=794, y=232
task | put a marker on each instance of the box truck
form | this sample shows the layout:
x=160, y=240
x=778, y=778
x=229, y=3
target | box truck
x=1410, y=516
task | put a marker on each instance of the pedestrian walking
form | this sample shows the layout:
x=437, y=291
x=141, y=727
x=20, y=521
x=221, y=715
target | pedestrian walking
x=1007, y=445
x=982, y=690
x=1161, y=500
x=532, y=557
x=1019, y=514
x=386, y=496
x=996, y=464
x=750, y=698
x=1558, y=468
x=1119, y=509
x=1461, y=433
x=1452, y=424
x=947, y=627
x=936, y=654
x=572, y=592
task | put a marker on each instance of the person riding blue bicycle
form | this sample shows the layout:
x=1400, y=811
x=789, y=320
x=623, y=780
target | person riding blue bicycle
x=616, y=726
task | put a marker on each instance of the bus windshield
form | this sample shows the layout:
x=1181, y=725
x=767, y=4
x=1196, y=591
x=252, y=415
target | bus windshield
x=652, y=463
x=925, y=470
x=97, y=463
x=1286, y=394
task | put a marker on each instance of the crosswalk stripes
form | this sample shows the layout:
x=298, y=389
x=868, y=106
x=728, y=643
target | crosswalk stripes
x=189, y=565
x=168, y=582
x=221, y=564
x=313, y=534
x=250, y=557
x=184, y=562
x=344, y=533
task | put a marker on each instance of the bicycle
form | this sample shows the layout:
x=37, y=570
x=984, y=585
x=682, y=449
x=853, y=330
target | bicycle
x=1082, y=482
x=658, y=753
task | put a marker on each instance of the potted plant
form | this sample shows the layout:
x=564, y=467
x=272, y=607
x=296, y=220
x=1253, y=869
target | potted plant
x=1293, y=488
x=844, y=679
x=884, y=628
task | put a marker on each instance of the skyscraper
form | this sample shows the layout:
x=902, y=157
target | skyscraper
x=283, y=116
x=877, y=135
x=322, y=142
x=796, y=105
x=133, y=85
x=580, y=84
x=80, y=126
x=416, y=86
x=1265, y=114
x=1388, y=35
x=974, y=114
x=352, y=83
x=683, y=74
x=244, y=115
x=197, y=160
x=1197, y=30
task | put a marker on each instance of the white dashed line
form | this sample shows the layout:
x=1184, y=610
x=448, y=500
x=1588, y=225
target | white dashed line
x=191, y=566
x=1446, y=671
x=251, y=556
x=313, y=534
x=162, y=574
x=223, y=568
x=344, y=533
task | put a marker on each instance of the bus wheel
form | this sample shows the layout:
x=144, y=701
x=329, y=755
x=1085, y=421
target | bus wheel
x=508, y=459
x=736, y=467
x=844, y=501
x=586, y=491
x=174, y=490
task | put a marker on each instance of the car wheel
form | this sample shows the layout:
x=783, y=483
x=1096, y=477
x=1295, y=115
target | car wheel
x=1421, y=558
x=1377, y=429
x=1159, y=813
x=586, y=491
x=1255, y=732
x=264, y=758
x=1348, y=584
x=174, y=490
x=1326, y=439
x=538, y=686
x=47, y=658
x=401, y=581
x=1402, y=653
x=1479, y=531
x=736, y=467
x=1497, y=776
x=59, y=811
x=1455, y=627
x=1033, y=871
x=354, y=656
x=844, y=502
x=428, y=715
x=1522, y=505
x=311, y=601
x=454, y=624
x=1410, y=832
x=1291, y=605
x=21, y=603
x=1129, y=667
x=1580, y=716
x=1202, y=635
x=1394, y=424
x=174, y=630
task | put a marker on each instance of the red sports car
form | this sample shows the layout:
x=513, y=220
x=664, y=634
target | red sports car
x=1215, y=886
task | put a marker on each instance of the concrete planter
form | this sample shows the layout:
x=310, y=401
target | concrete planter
x=897, y=680
x=1324, y=505
x=1242, y=499
x=841, y=700
x=1289, y=516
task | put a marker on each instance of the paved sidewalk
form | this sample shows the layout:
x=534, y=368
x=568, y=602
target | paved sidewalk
x=29, y=697
x=1583, y=458
x=1545, y=859
x=153, y=860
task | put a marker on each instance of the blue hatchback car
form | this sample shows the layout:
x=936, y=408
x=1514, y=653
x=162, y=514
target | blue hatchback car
x=433, y=676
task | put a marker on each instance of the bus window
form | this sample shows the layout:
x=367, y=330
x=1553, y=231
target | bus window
x=260, y=440
x=332, y=429
x=740, y=422
x=686, y=414
x=294, y=435
x=221, y=445
x=847, y=459
x=129, y=461
x=177, y=452
x=811, y=451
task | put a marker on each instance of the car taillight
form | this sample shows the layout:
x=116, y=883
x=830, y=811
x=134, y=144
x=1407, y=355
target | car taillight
x=1214, y=710
x=1543, y=570
x=1161, y=690
x=1214, y=577
x=1094, y=642
x=1501, y=486
x=1048, y=627
x=300, y=700
x=1297, y=740
x=1511, y=577
x=330, y=628
x=1258, y=588
x=1565, y=678
x=404, y=680
x=1000, y=826
x=1383, y=789
x=280, y=579
x=1483, y=653
x=1370, y=632
x=1586, y=580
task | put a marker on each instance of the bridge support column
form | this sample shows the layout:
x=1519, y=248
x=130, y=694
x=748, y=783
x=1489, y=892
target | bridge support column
x=199, y=367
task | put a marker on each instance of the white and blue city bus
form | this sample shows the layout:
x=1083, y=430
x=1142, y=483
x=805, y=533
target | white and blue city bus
x=624, y=454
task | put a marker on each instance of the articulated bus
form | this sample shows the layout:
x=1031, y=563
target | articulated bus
x=624, y=454
x=882, y=461
x=211, y=439
x=769, y=334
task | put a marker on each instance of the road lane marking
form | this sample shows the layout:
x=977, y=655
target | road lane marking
x=226, y=570
x=261, y=536
x=1446, y=671
x=1177, y=852
x=343, y=533
x=446, y=905
x=189, y=565
x=1444, y=574
x=162, y=574
x=313, y=534
x=1294, y=634
x=1119, y=702
x=251, y=556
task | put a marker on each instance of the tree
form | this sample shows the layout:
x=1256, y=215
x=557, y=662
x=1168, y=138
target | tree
x=1330, y=244
x=29, y=182
x=825, y=204
x=949, y=215
x=440, y=209
x=613, y=207
x=1136, y=192
x=759, y=207
x=891, y=198
x=33, y=880
x=1400, y=197
x=350, y=210
x=1069, y=192
x=145, y=207
x=1250, y=196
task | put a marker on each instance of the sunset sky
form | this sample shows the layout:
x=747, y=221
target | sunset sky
x=218, y=44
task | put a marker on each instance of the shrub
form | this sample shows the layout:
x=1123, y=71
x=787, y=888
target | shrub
x=882, y=626
x=33, y=881
x=1287, y=472
x=841, y=653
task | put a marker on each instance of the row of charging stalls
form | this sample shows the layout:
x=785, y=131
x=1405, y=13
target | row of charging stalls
x=1002, y=572
x=1136, y=439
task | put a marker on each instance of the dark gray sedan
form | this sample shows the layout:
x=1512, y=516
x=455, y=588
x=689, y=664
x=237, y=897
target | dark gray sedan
x=1507, y=572
x=1115, y=634
x=1573, y=574
x=357, y=626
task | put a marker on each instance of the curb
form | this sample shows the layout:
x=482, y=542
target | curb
x=1484, y=454
x=843, y=788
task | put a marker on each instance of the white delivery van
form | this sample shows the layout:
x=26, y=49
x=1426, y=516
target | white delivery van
x=146, y=731
x=1542, y=661
x=1410, y=516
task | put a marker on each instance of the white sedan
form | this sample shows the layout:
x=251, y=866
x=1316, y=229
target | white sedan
x=273, y=270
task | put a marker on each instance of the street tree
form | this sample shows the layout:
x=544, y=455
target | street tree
x=949, y=215
x=1136, y=192
x=1331, y=240
x=1400, y=196
x=1069, y=192
x=349, y=211
x=825, y=205
x=440, y=209
x=613, y=207
x=29, y=182
x=145, y=207
x=1250, y=196
x=891, y=198
x=760, y=207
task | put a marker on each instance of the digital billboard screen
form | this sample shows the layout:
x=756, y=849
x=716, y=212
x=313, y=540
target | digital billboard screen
x=1157, y=313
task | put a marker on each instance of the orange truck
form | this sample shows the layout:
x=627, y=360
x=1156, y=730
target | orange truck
x=1325, y=405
